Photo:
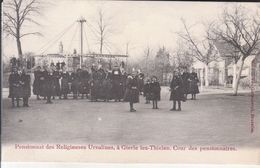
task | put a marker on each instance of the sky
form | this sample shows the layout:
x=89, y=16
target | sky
x=137, y=23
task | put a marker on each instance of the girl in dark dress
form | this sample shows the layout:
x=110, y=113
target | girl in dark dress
x=147, y=91
x=25, y=87
x=84, y=83
x=57, y=77
x=37, y=82
x=132, y=92
x=117, y=85
x=194, y=89
x=14, y=86
x=48, y=85
x=65, y=84
x=186, y=83
x=43, y=77
x=155, y=92
x=75, y=83
x=177, y=93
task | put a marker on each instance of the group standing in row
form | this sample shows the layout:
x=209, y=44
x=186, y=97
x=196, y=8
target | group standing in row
x=98, y=84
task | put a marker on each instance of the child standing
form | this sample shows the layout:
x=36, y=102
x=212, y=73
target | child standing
x=147, y=91
x=132, y=92
x=155, y=92
x=177, y=94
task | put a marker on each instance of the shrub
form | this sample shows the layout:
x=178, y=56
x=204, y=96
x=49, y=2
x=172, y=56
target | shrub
x=245, y=83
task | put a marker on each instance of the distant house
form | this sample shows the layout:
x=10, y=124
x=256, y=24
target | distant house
x=216, y=72
x=221, y=70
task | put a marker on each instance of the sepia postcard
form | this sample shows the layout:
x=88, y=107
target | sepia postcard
x=130, y=82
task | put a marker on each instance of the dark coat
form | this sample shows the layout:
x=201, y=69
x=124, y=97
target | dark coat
x=94, y=89
x=96, y=85
x=43, y=82
x=49, y=85
x=140, y=82
x=84, y=82
x=124, y=77
x=177, y=92
x=65, y=83
x=117, y=85
x=37, y=82
x=186, y=82
x=106, y=88
x=25, y=85
x=94, y=75
x=15, y=86
x=194, y=89
x=132, y=92
x=155, y=93
x=147, y=91
x=75, y=82
x=57, y=77
x=101, y=74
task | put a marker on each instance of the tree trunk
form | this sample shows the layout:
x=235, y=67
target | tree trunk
x=201, y=79
x=206, y=75
x=19, y=48
x=101, y=44
x=234, y=75
x=225, y=74
x=238, y=77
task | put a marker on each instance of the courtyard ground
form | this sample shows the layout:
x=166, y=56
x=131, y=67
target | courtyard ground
x=214, y=119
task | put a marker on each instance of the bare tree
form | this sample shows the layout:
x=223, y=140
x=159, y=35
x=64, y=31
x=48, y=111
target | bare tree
x=104, y=28
x=16, y=14
x=203, y=50
x=240, y=31
x=183, y=56
x=162, y=66
x=230, y=54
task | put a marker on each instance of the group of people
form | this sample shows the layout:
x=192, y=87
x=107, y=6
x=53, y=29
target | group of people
x=19, y=87
x=98, y=84
x=181, y=86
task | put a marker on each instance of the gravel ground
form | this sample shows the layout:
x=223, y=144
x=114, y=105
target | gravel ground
x=217, y=119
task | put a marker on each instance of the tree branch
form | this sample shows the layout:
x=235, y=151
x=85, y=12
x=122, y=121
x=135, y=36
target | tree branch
x=33, y=33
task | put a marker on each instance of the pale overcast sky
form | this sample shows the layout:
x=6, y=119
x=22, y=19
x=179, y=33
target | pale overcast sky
x=141, y=23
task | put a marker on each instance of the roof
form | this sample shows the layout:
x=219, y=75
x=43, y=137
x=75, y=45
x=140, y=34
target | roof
x=248, y=61
x=224, y=48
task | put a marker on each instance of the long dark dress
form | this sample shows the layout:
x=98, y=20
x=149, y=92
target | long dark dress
x=43, y=82
x=132, y=92
x=15, y=87
x=106, y=89
x=75, y=82
x=49, y=85
x=177, y=92
x=94, y=85
x=140, y=82
x=37, y=82
x=84, y=82
x=155, y=91
x=194, y=89
x=57, y=76
x=25, y=85
x=65, y=83
x=147, y=91
x=186, y=82
x=117, y=87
